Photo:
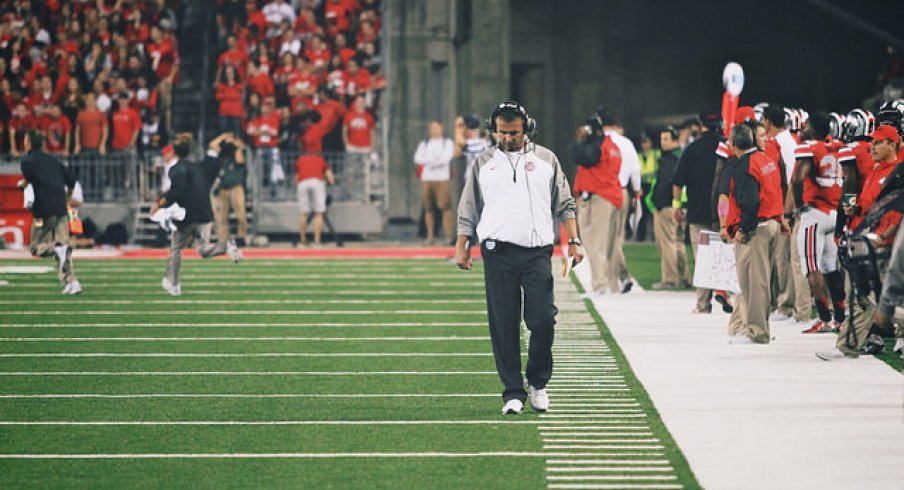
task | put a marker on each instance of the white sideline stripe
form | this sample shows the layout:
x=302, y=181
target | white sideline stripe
x=620, y=486
x=232, y=339
x=248, y=312
x=610, y=477
x=593, y=390
x=90, y=301
x=590, y=416
x=245, y=373
x=388, y=276
x=626, y=461
x=232, y=285
x=245, y=395
x=482, y=454
x=610, y=469
x=243, y=325
x=598, y=426
x=603, y=446
x=589, y=410
x=260, y=354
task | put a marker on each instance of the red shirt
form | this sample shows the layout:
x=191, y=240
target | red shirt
x=310, y=166
x=126, y=123
x=230, y=100
x=332, y=111
x=857, y=153
x=312, y=138
x=872, y=186
x=56, y=131
x=602, y=178
x=822, y=187
x=356, y=83
x=268, y=127
x=91, y=125
x=235, y=57
x=765, y=171
x=163, y=57
x=359, y=126
x=262, y=84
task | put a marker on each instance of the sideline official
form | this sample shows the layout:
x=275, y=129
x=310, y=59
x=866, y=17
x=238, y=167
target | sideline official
x=515, y=191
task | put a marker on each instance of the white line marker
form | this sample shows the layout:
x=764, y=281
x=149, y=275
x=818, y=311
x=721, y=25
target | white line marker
x=626, y=461
x=610, y=477
x=244, y=325
x=239, y=339
x=598, y=425
x=599, y=440
x=245, y=355
x=245, y=373
x=243, y=301
x=113, y=396
x=619, y=486
x=163, y=312
x=609, y=469
x=500, y=421
x=603, y=446
x=591, y=433
x=483, y=454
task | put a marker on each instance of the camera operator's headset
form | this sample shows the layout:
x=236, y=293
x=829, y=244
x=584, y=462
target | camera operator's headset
x=530, y=124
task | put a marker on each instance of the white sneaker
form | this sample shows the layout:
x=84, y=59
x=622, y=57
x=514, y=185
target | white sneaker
x=899, y=346
x=778, y=316
x=740, y=340
x=233, y=251
x=594, y=294
x=835, y=355
x=539, y=400
x=72, y=287
x=172, y=289
x=513, y=407
x=63, y=252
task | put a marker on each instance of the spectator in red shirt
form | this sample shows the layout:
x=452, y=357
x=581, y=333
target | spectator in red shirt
x=57, y=129
x=164, y=61
x=338, y=17
x=317, y=52
x=332, y=111
x=356, y=80
x=264, y=130
x=234, y=55
x=91, y=128
x=259, y=82
x=126, y=126
x=229, y=94
x=312, y=173
x=358, y=128
x=19, y=125
x=340, y=47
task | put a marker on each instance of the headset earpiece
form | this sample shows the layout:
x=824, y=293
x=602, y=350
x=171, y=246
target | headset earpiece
x=530, y=124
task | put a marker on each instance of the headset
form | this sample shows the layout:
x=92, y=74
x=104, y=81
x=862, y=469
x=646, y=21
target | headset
x=530, y=125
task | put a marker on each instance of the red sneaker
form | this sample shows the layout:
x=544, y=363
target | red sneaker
x=819, y=327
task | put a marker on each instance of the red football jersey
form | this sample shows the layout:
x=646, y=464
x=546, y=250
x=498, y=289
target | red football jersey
x=822, y=187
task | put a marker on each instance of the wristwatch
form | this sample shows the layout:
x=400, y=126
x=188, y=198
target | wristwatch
x=575, y=241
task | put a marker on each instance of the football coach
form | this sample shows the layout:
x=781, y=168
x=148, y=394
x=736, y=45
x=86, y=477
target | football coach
x=514, y=192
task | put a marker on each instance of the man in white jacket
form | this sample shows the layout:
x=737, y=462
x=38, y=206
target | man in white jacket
x=434, y=167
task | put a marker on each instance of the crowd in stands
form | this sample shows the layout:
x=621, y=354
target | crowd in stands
x=302, y=75
x=93, y=75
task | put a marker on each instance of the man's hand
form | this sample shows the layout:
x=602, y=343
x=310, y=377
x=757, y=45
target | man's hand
x=740, y=237
x=576, y=253
x=462, y=256
x=786, y=228
x=678, y=215
x=723, y=233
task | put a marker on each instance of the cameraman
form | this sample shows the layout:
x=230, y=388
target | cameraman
x=228, y=190
x=600, y=197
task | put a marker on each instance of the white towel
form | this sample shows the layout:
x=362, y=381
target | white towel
x=165, y=217
x=29, y=192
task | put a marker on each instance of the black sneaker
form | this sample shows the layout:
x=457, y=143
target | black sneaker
x=725, y=302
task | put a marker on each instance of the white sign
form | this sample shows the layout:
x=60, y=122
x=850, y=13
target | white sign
x=715, y=264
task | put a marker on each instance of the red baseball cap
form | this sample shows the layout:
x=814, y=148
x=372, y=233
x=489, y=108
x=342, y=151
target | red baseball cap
x=744, y=113
x=885, y=133
x=167, y=150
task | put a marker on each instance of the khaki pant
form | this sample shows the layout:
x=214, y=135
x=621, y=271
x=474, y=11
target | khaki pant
x=754, y=264
x=181, y=238
x=670, y=243
x=48, y=233
x=232, y=198
x=862, y=319
x=782, y=282
x=704, y=296
x=598, y=220
x=802, y=303
x=618, y=268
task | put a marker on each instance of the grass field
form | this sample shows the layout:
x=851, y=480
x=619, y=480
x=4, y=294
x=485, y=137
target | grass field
x=305, y=374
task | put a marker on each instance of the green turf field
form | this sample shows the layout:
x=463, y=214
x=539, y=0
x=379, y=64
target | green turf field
x=304, y=374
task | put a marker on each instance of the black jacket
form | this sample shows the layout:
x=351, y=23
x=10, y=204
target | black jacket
x=588, y=153
x=696, y=169
x=191, y=190
x=665, y=176
x=49, y=178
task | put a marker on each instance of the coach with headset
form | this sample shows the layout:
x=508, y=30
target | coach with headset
x=514, y=192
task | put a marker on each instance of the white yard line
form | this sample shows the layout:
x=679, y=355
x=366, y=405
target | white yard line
x=244, y=325
x=238, y=339
x=245, y=373
x=104, y=396
x=405, y=455
x=88, y=423
x=92, y=301
x=245, y=355
x=163, y=312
